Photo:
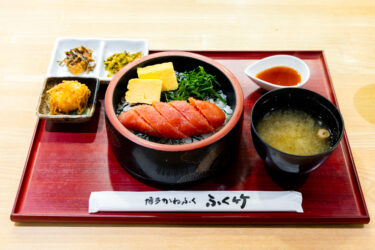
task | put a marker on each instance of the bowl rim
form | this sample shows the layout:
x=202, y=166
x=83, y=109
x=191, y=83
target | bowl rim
x=167, y=147
x=310, y=92
x=271, y=86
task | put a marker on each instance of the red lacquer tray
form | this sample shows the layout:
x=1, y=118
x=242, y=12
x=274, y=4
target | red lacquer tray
x=68, y=161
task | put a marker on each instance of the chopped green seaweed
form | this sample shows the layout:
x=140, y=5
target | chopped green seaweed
x=196, y=83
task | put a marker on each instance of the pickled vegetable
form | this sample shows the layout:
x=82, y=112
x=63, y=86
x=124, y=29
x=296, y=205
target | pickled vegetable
x=78, y=60
x=117, y=61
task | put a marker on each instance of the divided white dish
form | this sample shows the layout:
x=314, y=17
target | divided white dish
x=102, y=48
x=274, y=61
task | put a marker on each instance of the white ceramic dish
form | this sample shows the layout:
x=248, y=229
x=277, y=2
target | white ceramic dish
x=112, y=46
x=278, y=60
x=102, y=48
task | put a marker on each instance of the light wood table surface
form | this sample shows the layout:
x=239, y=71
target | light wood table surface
x=345, y=30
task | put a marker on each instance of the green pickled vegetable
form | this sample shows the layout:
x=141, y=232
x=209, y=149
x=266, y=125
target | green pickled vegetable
x=117, y=61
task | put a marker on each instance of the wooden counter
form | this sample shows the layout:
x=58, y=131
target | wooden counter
x=343, y=29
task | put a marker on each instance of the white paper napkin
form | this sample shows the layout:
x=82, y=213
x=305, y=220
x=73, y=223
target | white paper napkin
x=196, y=201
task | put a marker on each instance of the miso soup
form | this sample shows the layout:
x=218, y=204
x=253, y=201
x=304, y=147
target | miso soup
x=294, y=132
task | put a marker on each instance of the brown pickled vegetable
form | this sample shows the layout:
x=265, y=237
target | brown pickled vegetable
x=78, y=60
x=117, y=61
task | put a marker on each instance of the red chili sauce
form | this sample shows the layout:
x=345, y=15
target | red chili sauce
x=280, y=75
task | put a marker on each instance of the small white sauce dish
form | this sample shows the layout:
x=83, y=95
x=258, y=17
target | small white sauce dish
x=274, y=61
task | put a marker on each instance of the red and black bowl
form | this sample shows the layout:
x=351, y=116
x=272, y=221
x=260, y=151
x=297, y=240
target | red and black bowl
x=175, y=165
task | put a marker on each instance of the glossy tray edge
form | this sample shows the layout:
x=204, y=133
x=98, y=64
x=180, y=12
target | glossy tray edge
x=353, y=172
x=26, y=171
x=180, y=219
